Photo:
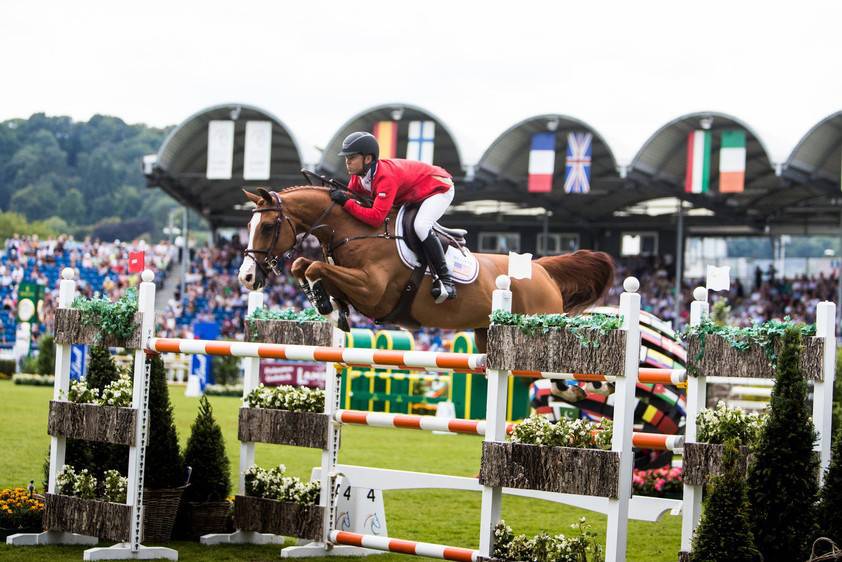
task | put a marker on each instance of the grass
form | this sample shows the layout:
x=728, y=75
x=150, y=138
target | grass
x=439, y=516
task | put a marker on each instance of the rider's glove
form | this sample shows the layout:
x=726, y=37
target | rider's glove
x=339, y=197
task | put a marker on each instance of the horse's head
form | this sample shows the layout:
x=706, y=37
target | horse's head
x=271, y=234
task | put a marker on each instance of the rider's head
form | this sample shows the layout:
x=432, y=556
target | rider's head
x=360, y=150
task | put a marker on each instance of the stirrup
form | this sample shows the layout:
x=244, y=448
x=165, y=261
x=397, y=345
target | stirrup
x=442, y=292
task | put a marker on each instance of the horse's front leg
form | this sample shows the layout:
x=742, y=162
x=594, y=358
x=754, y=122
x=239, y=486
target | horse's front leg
x=298, y=269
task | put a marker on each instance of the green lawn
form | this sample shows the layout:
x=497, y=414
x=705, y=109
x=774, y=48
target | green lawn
x=446, y=517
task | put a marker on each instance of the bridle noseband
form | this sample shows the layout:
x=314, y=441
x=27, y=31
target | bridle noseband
x=270, y=261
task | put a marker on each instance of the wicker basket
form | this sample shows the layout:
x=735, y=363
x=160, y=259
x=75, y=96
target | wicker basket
x=209, y=517
x=834, y=554
x=160, y=508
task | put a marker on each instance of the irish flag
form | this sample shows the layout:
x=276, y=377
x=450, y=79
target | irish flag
x=698, y=162
x=386, y=133
x=541, y=163
x=732, y=162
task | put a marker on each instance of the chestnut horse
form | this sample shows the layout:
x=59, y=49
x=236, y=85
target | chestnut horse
x=366, y=271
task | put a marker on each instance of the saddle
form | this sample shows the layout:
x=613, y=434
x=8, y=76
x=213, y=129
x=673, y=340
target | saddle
x=461, y=262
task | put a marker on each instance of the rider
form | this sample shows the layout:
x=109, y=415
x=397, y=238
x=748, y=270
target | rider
x=395, y=181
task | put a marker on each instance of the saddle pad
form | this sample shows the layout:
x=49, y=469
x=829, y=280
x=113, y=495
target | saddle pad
x=463, y=267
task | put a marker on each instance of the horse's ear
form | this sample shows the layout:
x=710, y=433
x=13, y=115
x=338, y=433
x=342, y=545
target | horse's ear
x=266, y=195
x=254, y=198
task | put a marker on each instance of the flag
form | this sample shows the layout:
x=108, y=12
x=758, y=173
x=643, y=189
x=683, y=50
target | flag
x=422, y=135
x=698, y=162
x=520, y=266
x=732, y=162
x=386, y=133
x=541, y=162
x=718, y=278
x=136, y=261
x=220, y=150
x=577, y=167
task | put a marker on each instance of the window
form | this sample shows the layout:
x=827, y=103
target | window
x=557, y=243
x=639, y=244
x=499, y=242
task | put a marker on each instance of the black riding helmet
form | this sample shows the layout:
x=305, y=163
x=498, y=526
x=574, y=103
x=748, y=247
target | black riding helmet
x=360, y=142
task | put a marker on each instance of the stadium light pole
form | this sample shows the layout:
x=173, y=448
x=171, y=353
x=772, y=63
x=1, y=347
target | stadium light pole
x=679, y=263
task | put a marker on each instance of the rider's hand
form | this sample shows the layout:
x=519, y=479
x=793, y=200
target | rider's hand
x=339, y=197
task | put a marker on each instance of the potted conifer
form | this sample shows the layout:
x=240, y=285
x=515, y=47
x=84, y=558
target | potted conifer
x=205, y=506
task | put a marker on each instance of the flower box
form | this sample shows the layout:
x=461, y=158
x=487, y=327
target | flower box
x=106, y=424
x=703, y=460
x=289, y=519
x=290, y=332
x=749, y=363
x=282, y=427
x=556, y=351
x=106, y=520
x=587, y=472
x=70, y=329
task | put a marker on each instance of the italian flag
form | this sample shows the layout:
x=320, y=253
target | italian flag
x=698, y=162
x=732, y=162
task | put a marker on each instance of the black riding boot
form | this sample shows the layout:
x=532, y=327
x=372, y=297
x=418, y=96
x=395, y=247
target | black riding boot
x=443, y=288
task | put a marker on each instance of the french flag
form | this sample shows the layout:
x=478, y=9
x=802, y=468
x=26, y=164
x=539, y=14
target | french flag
x=541, y=162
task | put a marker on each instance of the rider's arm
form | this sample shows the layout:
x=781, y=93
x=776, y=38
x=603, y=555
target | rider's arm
x=384, y=198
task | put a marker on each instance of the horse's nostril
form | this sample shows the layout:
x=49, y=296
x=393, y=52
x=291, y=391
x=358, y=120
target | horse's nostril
x=249, y=277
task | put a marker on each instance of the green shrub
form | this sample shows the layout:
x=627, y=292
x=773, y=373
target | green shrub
x=226, y=369
x=164, y=465
x=205, y=453
x=723, y=534
x=830, y=516
x=46, y=355
x=7, y=368
x=782, y=480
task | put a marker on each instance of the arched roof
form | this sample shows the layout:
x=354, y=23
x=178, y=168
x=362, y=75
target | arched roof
x=505, y=164
x=818, y=155
x=181, y=165
x=446, y=153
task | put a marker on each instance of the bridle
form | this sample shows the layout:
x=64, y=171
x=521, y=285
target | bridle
x=271, y=261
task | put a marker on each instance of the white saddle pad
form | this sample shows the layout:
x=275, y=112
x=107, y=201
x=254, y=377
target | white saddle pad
x=464, y=268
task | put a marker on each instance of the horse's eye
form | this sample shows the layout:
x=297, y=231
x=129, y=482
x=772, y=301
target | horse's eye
x=266, y=228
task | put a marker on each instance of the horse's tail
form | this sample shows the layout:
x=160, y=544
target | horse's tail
x=583, y=277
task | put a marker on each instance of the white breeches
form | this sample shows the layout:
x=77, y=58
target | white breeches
x=430, y=211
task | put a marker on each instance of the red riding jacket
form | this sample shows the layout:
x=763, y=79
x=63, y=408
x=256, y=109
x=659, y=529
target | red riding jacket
x=396, y=181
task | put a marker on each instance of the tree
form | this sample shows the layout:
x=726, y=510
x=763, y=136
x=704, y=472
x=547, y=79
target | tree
x=101, y=368
x=782, y=480
x=46, y=355
x=205, y=453
x=723, y=535
x=164, y=465
x=830, y=516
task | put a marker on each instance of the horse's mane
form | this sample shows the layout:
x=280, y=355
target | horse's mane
x=293, y=188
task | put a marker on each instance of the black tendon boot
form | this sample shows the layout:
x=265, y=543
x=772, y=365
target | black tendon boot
x=443, y=288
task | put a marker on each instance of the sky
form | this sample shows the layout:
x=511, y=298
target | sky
x=625, y=68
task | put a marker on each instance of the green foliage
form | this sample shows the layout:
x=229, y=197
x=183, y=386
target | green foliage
x=763, y=334
x=7, y=367
x=830, y=516
x=306, y=315
x=582, y=326
x=116, y=319
x=102, y=370
x=272, y=484
x=164, y=465
x=81, y=172
x=46, y=355
x=12, y=224
x=782, y=481
x=578, y=433
x=226, y=369
x=837, y=393
x=205, y=453
x=286, y=397
x=721, y=424
x=723, y=534
x=720, y=312
x=582, y=546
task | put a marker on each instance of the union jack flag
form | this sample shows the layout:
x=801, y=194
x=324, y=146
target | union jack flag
x=577, y=166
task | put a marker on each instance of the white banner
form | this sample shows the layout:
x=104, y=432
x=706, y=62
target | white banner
x=220, y=150
x=258, y=157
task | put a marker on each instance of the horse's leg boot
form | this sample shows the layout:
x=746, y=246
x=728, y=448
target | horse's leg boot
x=321, y=298
x=443, y=288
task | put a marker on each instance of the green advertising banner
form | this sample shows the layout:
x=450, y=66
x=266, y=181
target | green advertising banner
x=30, y=296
